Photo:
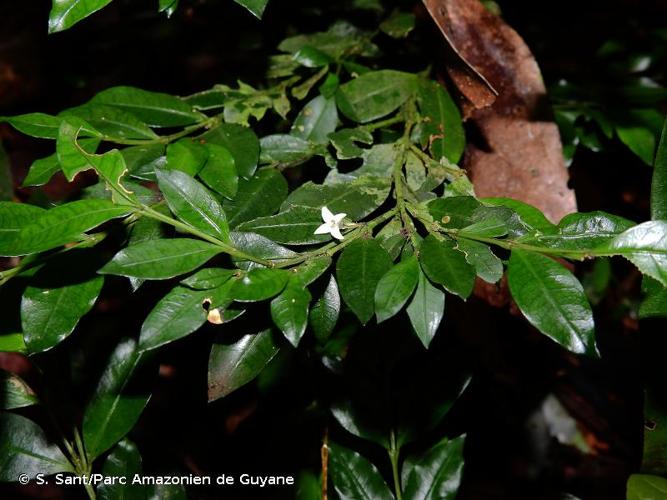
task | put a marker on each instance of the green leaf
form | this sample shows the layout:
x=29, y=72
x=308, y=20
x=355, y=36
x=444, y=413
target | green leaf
x=324, y=313
x=552, y=300
x=285, y=149
x=340, y=39
x=124, y=461
x=153, y=108
x=259, y=284
x=317, y=120
x=426, y=310
x=219, y=173
x=310, y=270
x=187, y=156
x=359, y=270
x=442, y=127
x=659, y=182
x=24, y=449
x=645, y=246
x=117, y=402
x=357, y=199
x=54, y=303
x=436, y=474
x=398, y=24
x=14, y=392
x=654, y=304
x=255, y=6
x=638, y=132
x=233, y=365
x=345, y=140
x=295, y=226
x=257, y=197
x=479, y=255
x=64, y=224
x=66, y=13
x=289, y=310
x=112, y=122
x=354, y=477
x=191, y=202
x=161, y=259
x=258, y=246
x=38, y=125
x=309, y=57
x=12, y=342
x=141, y=160
x=375, y=94
x=240, y=141
x=645, y=487
x=13, y=218
x=528, y=213
x=206, y=279
x=176, y=315
x=447, y=266
x=395, y=288
x=43, y=169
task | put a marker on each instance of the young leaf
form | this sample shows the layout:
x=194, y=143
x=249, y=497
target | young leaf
x=161, y=259
x=436, y=475
x=13, y=218
x=231, y=366
x=395, y=288
x=259, y=284
x=659, y=181
x=375, y=94
x=124, y=461
x=116, y=403
x=317, y=120
x=193, y=203
x=359, y=270
x=355, y=477
x=64, y=224
x=187, y=156
x=219, y=173
x=257, y=197
x=240, y=141
x=255, y=6
x=14, y=392
x=289, y=310
x=447, y=266
x=294, y=226
x=153, y=108
x=426, y=310
x=66, y=13
x=54, y=303
x=324, y=314
x=24, y=449
x=552, y=300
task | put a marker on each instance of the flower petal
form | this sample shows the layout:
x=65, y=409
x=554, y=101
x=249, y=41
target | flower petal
x=323, y=229
x=335, y=232
x=327, y=216
x=338, y=218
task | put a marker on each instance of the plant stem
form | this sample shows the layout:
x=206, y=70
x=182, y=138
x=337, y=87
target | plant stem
x=394, y=453
x=85, y=467
x=383, y=123
x=209, y=122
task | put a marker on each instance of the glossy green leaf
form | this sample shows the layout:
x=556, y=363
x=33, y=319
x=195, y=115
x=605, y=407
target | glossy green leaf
x=375, y=94
x=344, y=140
x=426, y=310
x=255, y=6
x=258, y=246
x=317, y=120
x=54, y=303
x=654, y=304
x=340, y=39
x=219, y=172
x=259, y=284
x=206, y=279
x=124, y=461
x=65, y=224
x=285, y=149
x=191, y=202
x=258, y=197
x=528, y=213
x=24, y=449
x=359, y=270
x=233, y=365
x=324, y=313
x=294, y=226
x=354, y=477
x=357, y=199
x=141, y=160
x=240, y=141
x=436, y=474
x=14, y=392
x=38, y=125
x=638, y=132
x=310, y=57
x=289, y=310
x=13, y=218
x=66, y=13
x=645, y=246
x=479, y=255
x=310, y=270
x=659, y=181
x=153, y=108
x=552, y=300
x=447, y=266
x=395, y=288
x=176, y=315
x=112, y=122
x=117, y=402
x=12, y=342
x=43, y=169
x=187, y=156
x=645, y=487
x=442, y=128
x=161, y=259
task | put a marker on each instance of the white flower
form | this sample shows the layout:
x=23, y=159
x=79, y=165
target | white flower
x=331, y=224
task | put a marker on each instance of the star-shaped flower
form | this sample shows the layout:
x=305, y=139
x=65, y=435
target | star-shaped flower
x=331, y=224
